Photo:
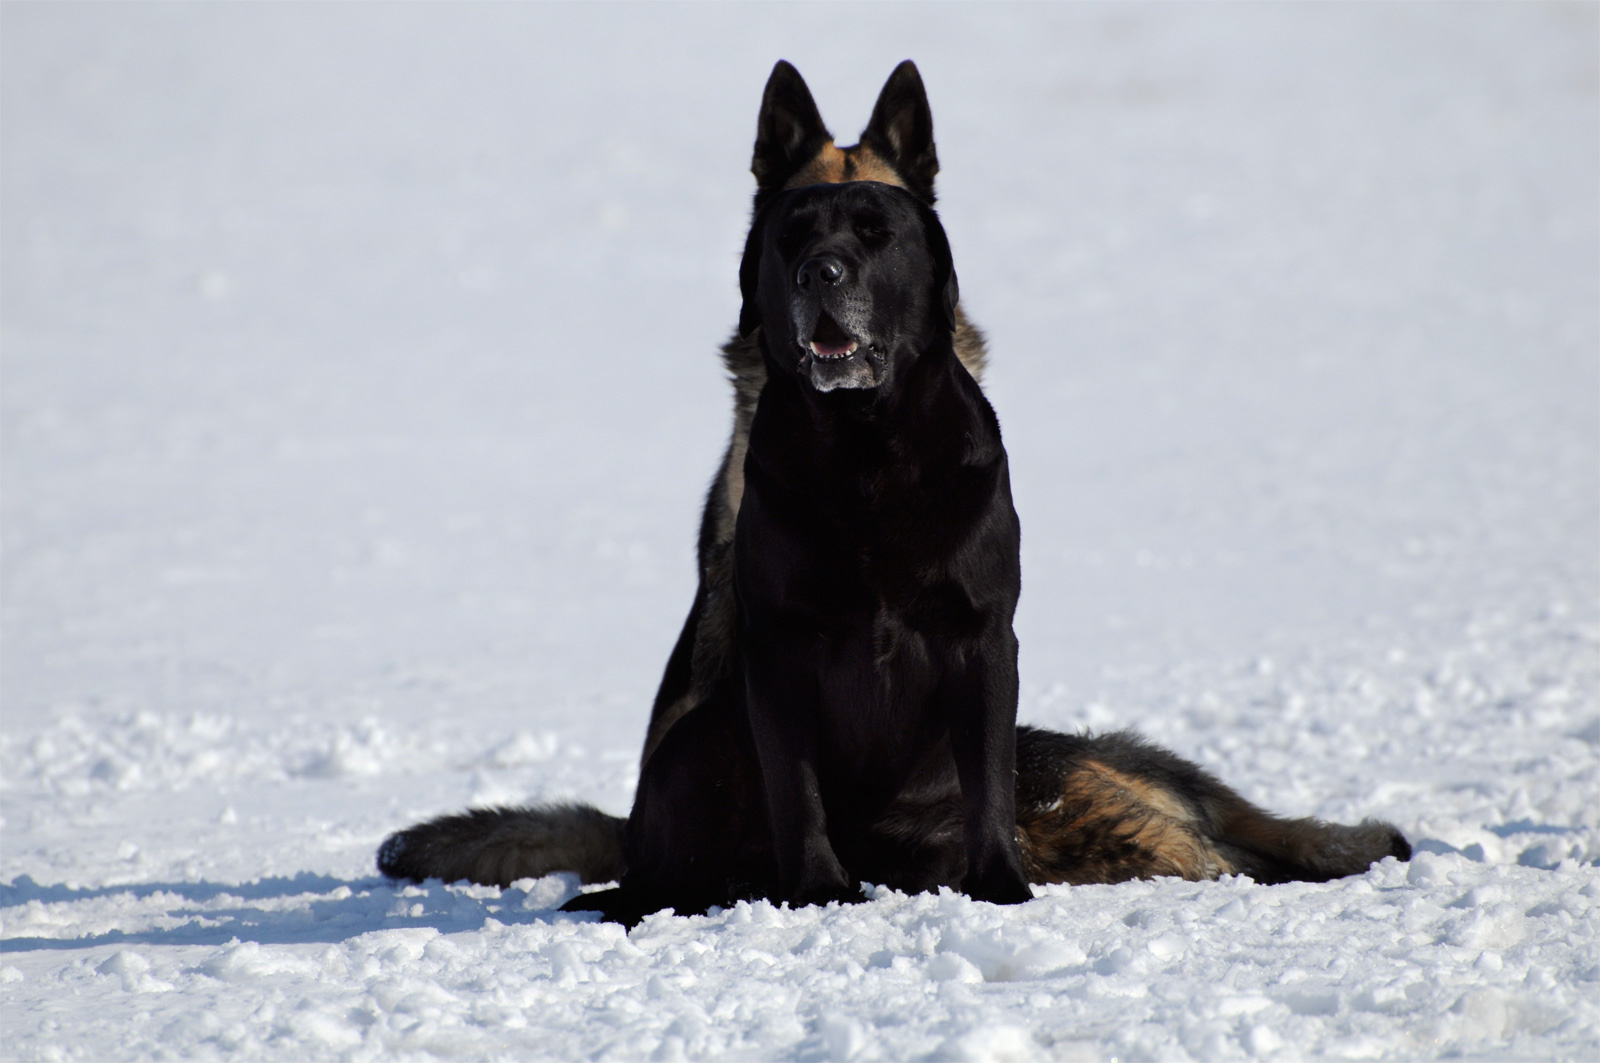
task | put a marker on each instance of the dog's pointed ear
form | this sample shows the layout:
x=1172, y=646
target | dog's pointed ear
x=750, y=277
x=901, y=130
x=947, y=292
x=789, y=131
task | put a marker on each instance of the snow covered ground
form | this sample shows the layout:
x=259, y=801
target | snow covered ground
x=359, y=391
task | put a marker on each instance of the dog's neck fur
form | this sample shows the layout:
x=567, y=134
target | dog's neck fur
x=907, y=430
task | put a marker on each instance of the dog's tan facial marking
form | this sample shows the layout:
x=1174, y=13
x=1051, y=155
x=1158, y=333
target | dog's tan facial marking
x=825, y=168
x=863, y=164
x=834, y=165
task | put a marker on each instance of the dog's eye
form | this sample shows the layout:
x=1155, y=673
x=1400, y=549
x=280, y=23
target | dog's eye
x=791, y=237
x=874, y=235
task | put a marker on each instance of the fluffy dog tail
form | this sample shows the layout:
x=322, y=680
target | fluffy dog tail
x=1108, y=808
x=498, y=846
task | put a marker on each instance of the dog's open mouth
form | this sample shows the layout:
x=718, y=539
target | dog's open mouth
x=829, y=342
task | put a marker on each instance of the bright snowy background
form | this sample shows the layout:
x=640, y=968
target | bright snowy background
x=360, y=391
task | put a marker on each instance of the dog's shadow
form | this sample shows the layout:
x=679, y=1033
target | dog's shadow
x=303, y=909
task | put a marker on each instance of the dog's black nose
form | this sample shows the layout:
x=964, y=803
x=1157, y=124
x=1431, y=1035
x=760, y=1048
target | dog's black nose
x=826, y=268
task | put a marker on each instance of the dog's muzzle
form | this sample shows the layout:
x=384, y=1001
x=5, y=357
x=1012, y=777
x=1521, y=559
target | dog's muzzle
x=828, y=322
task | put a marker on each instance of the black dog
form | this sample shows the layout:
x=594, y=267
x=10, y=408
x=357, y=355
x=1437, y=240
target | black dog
x=875, y=576
x=863, y=728
x=858, y=723
x=793, y=148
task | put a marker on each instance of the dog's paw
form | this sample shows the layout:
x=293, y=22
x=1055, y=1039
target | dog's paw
x=821, y=895
x=997, y=889
x=618, y=905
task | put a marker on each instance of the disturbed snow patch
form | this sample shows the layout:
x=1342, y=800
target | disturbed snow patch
x=1447, y=955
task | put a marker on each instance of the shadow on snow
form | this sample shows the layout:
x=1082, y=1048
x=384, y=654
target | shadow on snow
x=334, y=910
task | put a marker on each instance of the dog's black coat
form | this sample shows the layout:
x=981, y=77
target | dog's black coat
x=793, y=148
x=832, y=584
x=875, y=578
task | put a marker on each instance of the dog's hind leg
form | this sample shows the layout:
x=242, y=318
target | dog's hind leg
x=1271, y=848
x=1083, y=819
x=498, y=846
x=675, y=695
x=1114, y=807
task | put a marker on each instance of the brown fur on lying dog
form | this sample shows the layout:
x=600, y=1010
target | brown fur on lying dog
x=1090, y=809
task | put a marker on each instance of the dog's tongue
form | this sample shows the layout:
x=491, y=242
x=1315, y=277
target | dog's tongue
x=829, y=340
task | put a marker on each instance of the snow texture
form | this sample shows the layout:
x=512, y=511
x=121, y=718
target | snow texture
x=360, y=393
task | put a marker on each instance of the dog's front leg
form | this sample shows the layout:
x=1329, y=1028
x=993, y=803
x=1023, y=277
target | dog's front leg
x=783, y=719
x=982, y=703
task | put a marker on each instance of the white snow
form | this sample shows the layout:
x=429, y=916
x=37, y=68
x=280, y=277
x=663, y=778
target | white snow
x=360, y=391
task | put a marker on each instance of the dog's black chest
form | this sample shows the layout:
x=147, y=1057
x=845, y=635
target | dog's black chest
x=885, y=564
x=856, y=552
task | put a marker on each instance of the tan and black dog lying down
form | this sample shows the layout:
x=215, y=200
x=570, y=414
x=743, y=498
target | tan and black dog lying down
x=1090, y=809
x=1085, y=809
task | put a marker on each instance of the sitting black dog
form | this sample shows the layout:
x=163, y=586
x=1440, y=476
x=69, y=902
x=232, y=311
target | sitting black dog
x=875, y=576
x=863, y=726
